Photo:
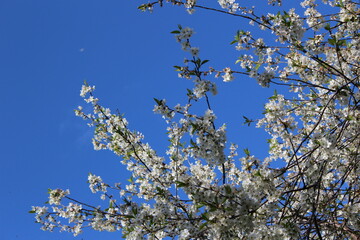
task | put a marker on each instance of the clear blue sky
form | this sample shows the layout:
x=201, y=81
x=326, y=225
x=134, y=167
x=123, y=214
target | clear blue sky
x=47, y=49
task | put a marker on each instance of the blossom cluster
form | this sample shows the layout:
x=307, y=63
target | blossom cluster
x=231, y=5
x=183, y=36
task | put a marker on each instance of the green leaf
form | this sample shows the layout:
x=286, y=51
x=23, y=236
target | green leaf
x=193, y=144
x=341, y=43
x=200, y=205
x=248, y=121
x=327, y=27
x=143, y=7
x=213, y=208
x=204, y=216
x=181, y=184
x=247, y=151
x=189, y=92
x=203, y=225
x=134, y=210
x=175, y=32
x=332, y=41
x=228, y=189
x=258, y=174
x=160, y=191
x=205, y=61
x=159, y=102
x=131, y=179
x=340, y=4
x=273, y=97
x=194, y=128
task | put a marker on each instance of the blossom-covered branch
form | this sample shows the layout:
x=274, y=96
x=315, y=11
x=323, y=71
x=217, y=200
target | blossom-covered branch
x=308, y=185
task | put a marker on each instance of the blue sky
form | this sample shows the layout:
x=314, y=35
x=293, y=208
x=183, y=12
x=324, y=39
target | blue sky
x=47, y=49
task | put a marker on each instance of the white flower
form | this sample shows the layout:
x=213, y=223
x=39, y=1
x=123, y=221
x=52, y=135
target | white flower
x=194, y=51
x=227, y=76
x=55, y=196
x=85, y=89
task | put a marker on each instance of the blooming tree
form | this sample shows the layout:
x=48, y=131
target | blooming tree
x=306, y=188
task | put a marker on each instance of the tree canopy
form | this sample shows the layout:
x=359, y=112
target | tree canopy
x=306, y=188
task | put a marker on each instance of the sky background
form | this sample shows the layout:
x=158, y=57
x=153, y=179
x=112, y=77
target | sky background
x=49, y=47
